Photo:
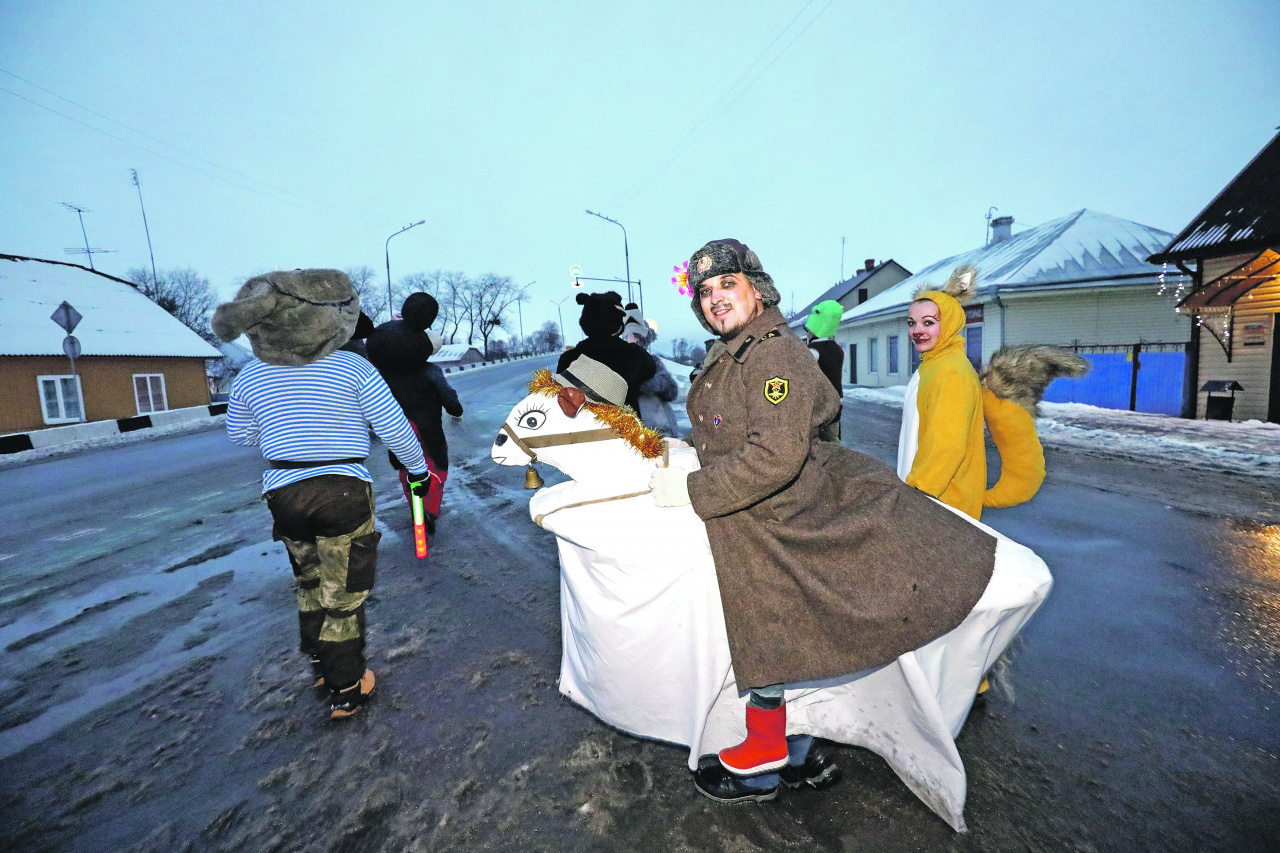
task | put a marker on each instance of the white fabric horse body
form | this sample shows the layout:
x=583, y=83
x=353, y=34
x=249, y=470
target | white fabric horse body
x=644, y=643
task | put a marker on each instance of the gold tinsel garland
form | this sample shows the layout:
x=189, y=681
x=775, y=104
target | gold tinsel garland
x=621, y=419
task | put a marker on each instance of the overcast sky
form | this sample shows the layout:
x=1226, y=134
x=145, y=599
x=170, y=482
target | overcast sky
x=294, y=134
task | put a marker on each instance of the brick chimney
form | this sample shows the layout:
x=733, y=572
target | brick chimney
x=1001, y=229
x=868, y=264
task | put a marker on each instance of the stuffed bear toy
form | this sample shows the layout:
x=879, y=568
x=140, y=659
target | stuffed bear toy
x=602, y=320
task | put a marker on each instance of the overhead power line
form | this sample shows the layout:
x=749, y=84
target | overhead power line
x=716, y=110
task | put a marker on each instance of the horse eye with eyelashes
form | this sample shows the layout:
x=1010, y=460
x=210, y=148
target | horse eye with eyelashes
x=532, y=419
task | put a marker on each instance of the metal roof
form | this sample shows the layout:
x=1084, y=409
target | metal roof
x=117, y=319
x=1244, y=217
x=841, y=289
x=1086, y=248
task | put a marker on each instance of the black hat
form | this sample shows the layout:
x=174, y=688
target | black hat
x=419, y=311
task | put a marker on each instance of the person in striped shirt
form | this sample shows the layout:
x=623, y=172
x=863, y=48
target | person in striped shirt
x=310, y=406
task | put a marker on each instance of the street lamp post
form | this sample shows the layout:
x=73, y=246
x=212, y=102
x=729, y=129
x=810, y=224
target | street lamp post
x=561, y=316
x=626, y=251
x=390, y=311
x=520, y=314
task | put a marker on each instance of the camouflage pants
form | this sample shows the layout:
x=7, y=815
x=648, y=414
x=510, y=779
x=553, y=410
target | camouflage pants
x=326, y=525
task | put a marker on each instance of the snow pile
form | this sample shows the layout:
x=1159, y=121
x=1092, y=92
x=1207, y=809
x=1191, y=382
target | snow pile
x=1248, y=447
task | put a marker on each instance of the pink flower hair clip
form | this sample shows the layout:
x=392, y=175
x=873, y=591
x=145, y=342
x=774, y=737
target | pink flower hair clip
x=681, y=278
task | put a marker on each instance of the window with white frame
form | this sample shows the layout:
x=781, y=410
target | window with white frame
x=873, y=355
x=891, y=344
x=148, y=390
x=60, y=399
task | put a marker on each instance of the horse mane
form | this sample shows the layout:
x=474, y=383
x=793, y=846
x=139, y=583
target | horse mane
x=621, y=419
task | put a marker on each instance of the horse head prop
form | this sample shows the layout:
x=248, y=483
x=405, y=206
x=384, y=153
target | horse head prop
x=588, y=440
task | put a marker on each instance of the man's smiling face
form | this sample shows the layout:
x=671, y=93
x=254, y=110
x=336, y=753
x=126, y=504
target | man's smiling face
x=729, y=302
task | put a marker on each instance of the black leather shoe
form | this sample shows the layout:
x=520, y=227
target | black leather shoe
x=716, y=783
x=819, y=771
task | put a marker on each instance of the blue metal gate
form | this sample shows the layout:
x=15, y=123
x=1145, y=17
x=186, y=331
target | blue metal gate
x=1112, y=383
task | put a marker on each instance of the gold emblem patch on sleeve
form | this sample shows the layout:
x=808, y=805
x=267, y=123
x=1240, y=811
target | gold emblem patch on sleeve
x=775, y=390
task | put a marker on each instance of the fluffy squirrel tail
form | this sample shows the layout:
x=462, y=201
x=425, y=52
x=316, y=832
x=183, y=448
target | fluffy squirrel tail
x=1013, y=386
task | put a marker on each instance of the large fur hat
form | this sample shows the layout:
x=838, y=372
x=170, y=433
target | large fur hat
x=602, y=314
x=291, y=318
x=721, y=257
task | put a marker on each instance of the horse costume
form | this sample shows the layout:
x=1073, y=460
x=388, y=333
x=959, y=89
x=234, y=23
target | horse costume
x=644, y=641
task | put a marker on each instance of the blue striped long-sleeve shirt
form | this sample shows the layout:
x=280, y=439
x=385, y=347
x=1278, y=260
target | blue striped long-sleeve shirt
x=321, y=410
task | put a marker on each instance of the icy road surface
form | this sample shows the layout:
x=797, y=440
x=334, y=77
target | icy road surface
x=154, y=699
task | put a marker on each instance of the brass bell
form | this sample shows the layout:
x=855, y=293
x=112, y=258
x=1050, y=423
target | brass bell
x=531, y=478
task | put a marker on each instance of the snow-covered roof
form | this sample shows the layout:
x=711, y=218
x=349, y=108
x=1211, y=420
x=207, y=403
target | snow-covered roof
x=1086, y=247
x=117, y=319
x=455, y=352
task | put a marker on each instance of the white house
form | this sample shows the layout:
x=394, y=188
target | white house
x=1079, y=281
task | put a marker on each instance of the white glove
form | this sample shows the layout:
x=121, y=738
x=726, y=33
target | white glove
x=670, y=487
x=436, y=339
x=455, y=419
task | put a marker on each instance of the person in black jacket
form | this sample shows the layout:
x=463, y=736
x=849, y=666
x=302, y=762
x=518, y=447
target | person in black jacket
x=399, y=350
x=602, y=319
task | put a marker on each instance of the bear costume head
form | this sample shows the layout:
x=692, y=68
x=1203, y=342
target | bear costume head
x=291, y=318
x=602, y=315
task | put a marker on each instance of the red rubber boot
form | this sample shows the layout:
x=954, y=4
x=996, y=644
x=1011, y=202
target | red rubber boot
x=766, y=745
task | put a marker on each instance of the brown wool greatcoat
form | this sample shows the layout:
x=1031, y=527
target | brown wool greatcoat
x=827, y=562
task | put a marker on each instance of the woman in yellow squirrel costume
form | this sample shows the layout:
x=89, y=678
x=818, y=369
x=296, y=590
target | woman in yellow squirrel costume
x=941, y=449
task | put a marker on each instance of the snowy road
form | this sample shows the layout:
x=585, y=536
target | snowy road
x=154, y=700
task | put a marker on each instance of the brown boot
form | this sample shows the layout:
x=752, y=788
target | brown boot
x=346, y=702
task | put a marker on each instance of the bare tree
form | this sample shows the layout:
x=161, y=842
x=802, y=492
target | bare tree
x=454, y=296
x=680, y=348
x=184, y=293
x=491, y=297
x=498, y=348
x=546, y=338
x=697, y=355
x=372, y=293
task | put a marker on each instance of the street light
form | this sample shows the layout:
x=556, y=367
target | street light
x=561, y=316
x=626, y=251
x=520, y=314
x=390, y=311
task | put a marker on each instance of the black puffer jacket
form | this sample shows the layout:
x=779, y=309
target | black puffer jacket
x=400, y=353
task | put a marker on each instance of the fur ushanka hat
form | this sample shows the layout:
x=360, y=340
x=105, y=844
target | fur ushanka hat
x=722, y=257
x=602, y=314
x=291, y=318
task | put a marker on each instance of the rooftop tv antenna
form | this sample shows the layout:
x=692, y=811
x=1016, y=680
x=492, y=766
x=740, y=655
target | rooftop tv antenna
x=80, y=212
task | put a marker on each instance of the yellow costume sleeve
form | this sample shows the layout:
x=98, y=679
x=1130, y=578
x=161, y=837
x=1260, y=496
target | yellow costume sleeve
x=1021, y=457
x=947, y=404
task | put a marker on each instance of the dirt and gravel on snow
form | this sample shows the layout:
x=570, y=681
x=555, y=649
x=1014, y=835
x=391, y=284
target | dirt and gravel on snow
x=1136, y=712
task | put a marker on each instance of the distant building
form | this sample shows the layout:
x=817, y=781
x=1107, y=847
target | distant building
x=1081, y=281
x=135, y=359
x=456, y=355
x=1234, y=298
x=872, y=280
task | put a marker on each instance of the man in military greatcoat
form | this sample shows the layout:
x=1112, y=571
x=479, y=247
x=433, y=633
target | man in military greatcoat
x=828, y=564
